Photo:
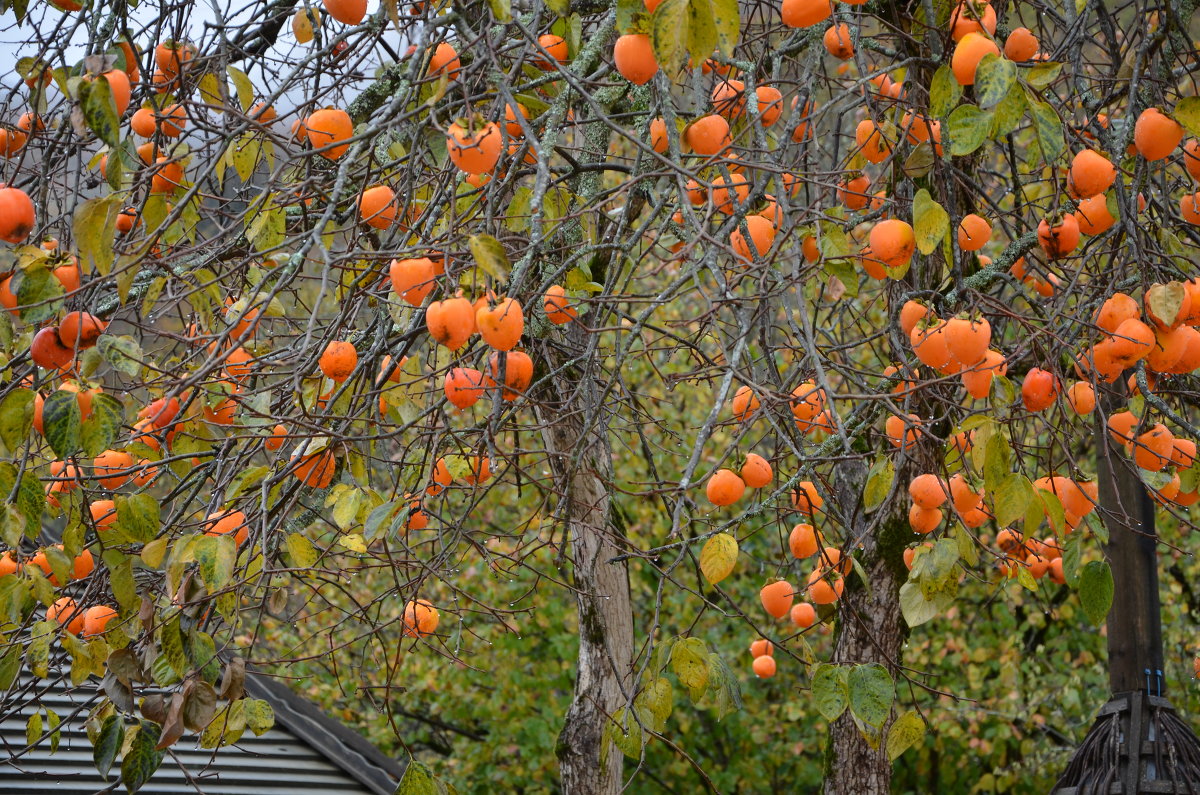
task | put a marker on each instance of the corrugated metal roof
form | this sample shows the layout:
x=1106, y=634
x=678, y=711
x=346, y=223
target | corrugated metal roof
x=306, y=751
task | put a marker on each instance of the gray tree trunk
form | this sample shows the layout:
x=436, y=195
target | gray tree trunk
x=870, y=630
x=575, y=430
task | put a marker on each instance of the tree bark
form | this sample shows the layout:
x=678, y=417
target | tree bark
x=870, y=630
x=1135, y=621
x=575, y=432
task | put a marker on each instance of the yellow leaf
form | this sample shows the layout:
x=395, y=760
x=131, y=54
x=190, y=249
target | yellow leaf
x=718, y=557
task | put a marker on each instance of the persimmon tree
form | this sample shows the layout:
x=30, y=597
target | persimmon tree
x=322, y=323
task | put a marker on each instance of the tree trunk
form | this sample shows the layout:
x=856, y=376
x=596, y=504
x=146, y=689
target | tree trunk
x=870, y=630
x=575, y=431
x=1135, y=621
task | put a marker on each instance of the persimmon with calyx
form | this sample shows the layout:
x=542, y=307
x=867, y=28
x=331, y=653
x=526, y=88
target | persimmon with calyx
x=805, y=13
x=725, y=488
x=451, y=322
x=420, y=619
x=927, y=491
x=555, y=47
x=315, y=469
x=969, y=51
x=1156, y=135
x=327, y=129
x=762, y=648
x=973, y=232
x=47, y=350
x=463, y=386
x=707, y=135
x=1091, y=173
x=338, y=360
x=1021, y=45
x=838, y=41
x=502, y=324
x=968, y=338
x=803, y=541
x=16, y=215
x=518, y=373
x=377, y=206
x=1039, y=390
x=892, y=242
x=777, y=598
x=972, y=16
x=557, y=306
x=412, y=279
x=633, y=55
x=223, y=523
x=756, y=471
x=1058, y=239
x=475, y=149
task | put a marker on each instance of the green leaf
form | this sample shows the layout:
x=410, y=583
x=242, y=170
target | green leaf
x=1043, y=74
x=418, y=779
x=138, y=517
x=931, y=222
x=871, y=693
x=501, y=10
x=268, y=229
x=905, y=732
x=656, y=701
x=94, y=226
x=718, y=557
x=245, y=479
x=60, y=422
x=1007, y=116
x=123, y=353
x=142, y=759
x=120, y=572
x=1011, y=497
x=1048, y=127
x=99, y=430
x=100, y=110
x=216, y=556
x=969, y=127
x=669, y=34
x=171, y=639
x=689, y=661
x=108, y=744
x=1096, y=590
x=993, y=79
x=727, y=19
x=52, y=724
x=37, y=655
x=10, y=666
x=1187, y=113
x=626, y=733
x=39, y=294
x=490, y=256
x=944, y=92
x=259, y=716
x=16, y=418
x=879, y=482
x=831, y=690
x=33, y=728
x=918, y=610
